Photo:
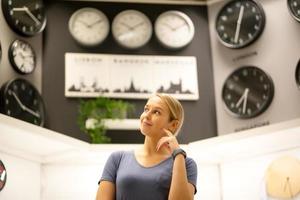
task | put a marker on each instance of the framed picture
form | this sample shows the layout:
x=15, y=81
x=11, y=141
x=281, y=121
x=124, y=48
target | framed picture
x=130, y=76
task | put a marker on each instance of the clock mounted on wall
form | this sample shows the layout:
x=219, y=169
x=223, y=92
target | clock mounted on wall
x=3, y=175
x=297, y=74
x=89, y=26
x=247, y=92
x=21, y=100
x=174, y=29
x=131, y=29
x=294, y=8
x=22, y=57
x=26, y=17
x=239, y=23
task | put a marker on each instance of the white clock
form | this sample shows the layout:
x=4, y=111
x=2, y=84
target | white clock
x=89, y=26
x=132, y=29
x=174, y=29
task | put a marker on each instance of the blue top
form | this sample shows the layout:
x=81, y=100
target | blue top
x=134, y=181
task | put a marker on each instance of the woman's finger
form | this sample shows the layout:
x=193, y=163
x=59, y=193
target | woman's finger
x=161, y=142
x=168, y=132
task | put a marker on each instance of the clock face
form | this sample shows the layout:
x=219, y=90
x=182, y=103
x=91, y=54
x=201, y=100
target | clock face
x=21, y=100
x=22, y=57
x=131, y=29
x=248, y=92
x=239, y=23
x=26, y=17
x=89, y=26
x=174, y=29
x=294, y=7
x=3, y=175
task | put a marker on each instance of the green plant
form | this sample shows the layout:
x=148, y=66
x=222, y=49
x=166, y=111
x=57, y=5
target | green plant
x=93, y=111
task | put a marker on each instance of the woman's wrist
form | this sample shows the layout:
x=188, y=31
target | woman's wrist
x=177, y=152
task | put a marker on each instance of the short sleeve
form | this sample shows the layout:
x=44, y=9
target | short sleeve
x=191, y=169
x=111, y=167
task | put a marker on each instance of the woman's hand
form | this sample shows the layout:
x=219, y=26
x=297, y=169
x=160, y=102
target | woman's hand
x=169, y=141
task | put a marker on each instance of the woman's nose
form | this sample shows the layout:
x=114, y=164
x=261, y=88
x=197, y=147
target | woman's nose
x=147, y=114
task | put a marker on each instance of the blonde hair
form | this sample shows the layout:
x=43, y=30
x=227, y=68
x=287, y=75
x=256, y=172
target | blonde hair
x=175, y=108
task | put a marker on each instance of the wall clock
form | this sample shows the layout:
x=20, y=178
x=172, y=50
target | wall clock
x=239, y=23
x=3, y=175
x=297, y=74
x=21, y=100
x=282, y=178
x=89, y=26
x=132, y=29
x=247, y=92
x=25, y=17
x=22, y=57
x=294, y=8
x=174, y=29
x=0, y=51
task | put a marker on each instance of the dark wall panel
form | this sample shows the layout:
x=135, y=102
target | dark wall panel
x=200, y=119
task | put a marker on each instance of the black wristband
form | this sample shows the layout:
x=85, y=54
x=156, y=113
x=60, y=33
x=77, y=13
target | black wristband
x=178, y=151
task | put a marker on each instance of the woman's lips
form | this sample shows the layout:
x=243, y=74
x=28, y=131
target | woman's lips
x=147, y=123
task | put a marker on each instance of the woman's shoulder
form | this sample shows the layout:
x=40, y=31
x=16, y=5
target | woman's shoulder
x=120, y=154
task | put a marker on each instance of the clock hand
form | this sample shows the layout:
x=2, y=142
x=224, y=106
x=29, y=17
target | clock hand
x=243, y=98
x=32, y=112
x=180, y=26
x=124, y=24
x=18, y=100
x=96, y=22
x=238, y=24
x=24, y=107
x=26, y=10
x=137, y=25
x=85, y=24
x=168, y=25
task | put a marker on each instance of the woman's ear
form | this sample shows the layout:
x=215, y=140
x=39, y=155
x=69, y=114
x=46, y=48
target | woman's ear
x=174, y=125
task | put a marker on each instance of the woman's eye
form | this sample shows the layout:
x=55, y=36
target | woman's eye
x=146, y=109
x=157, y=112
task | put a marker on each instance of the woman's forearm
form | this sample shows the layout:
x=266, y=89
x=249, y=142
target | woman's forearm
x=180, y=187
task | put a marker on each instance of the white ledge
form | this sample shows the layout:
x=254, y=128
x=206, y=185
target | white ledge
x=122, y=124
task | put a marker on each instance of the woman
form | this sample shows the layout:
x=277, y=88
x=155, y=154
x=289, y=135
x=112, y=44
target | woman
x=159, y=170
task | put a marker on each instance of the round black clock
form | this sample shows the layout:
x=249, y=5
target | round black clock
x=22, y=57
x=248, y=92
x=26, y=17
x=3, y=175
x=0, y=52
x=21, y=100
x=298, y=74
x=294, y=7
x=239, y=23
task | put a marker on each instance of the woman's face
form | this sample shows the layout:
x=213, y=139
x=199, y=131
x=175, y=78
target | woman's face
x=155, y=118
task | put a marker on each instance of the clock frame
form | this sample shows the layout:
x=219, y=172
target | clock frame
x=247, y=92
x=20, y=99
x=294, y=8
x=239, y=23
x=131, y=29
x=174, y=29
x=22, y=57
x=3, y=175
x=89, y=26
x=26, y=17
